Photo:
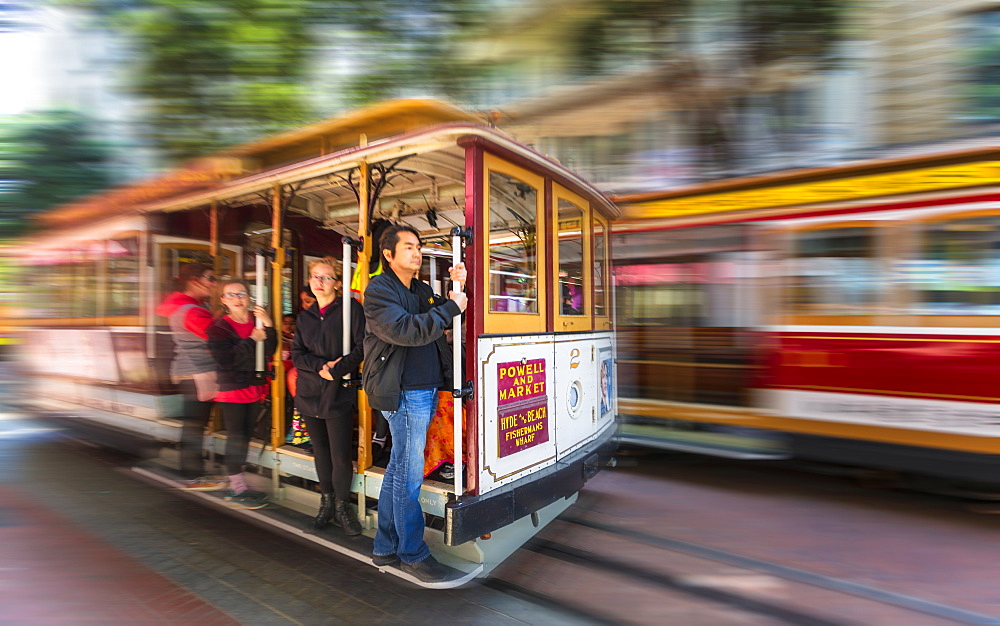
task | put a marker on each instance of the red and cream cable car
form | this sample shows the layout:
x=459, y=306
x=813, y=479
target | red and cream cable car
x=539, y=348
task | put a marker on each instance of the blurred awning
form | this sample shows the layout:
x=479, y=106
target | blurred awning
x=198, y=175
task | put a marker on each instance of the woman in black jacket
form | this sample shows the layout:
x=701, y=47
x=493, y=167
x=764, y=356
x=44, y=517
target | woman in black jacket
x=326, y=405
x=232, y=340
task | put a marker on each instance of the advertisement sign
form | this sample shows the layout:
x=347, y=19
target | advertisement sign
x=522, y=405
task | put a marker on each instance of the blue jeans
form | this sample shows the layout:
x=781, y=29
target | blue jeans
x=400, y=518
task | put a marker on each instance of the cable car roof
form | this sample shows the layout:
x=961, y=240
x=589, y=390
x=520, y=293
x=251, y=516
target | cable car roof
x=424, y=133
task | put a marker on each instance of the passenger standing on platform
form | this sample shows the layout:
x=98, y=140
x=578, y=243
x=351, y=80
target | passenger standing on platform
x=233, y=341
x=407, y=361
x=288, y=328
x=193, y=368
x=306, y=298
x=326, y=405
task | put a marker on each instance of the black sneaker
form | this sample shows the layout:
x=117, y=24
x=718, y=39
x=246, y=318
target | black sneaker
x=428, y=570
x=384, y=560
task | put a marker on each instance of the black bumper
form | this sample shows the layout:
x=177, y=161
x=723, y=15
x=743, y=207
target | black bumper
x=475, y=516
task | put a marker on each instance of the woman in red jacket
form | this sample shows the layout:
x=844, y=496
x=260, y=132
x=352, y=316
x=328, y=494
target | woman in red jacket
x=193, y=368
x=233, y=340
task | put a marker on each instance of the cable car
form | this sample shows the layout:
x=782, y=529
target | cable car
x=845, y=315
x=538, y=370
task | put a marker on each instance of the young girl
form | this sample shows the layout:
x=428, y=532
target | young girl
x=233, y=340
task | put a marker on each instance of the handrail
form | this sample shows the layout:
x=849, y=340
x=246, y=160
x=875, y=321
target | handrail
x=456, y=356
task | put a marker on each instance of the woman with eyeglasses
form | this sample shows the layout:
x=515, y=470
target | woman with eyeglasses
x=233, y=340
x=193, y=368
x=326, y=405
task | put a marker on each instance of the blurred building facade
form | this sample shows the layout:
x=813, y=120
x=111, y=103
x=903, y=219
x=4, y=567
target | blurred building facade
x=935, y=74
x=646, y=94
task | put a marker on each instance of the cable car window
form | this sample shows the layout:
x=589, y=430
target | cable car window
x=513, y=248
x=571, y=283
x=600, y=267
x=957, y=269
x=122, y=258
x=834, y=272
x=65, y=282
x=175, y=254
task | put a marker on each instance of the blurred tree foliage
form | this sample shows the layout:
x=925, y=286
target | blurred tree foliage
x=608, y=33
x=772, y=30
x=46, y=159
x=981, y=67
x=220, y=72
x=983, y=85
x=213, y=72
x=414, y=46
x=721, y=57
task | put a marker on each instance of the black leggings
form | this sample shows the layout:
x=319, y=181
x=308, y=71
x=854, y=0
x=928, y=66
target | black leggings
x=239, y=418
x=193, y=423
x=332, y=440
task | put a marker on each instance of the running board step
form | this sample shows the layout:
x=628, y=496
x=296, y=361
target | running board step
x=358, y=548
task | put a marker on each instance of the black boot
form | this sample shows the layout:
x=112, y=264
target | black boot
x=322, y=518
x=343, y=515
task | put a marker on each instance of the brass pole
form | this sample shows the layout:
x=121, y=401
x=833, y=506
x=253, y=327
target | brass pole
x=364, y=255
x=213, y=235
x=278, y=382
x=215, y=422
x=213, y=245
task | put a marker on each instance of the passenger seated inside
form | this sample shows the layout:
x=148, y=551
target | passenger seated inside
x=306, y=298
x=287, y=336
x=568, y=300
x=297, y=435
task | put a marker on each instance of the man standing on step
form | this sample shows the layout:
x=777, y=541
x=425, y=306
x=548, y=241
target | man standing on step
x=406, y=361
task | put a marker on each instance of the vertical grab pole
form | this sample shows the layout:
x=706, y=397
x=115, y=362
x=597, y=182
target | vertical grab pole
x=456, y=360
x=279, y=202
x=345, y=295
x=260, y=300
x=364, y=261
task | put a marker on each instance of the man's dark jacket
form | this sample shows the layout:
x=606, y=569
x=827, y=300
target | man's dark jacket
x=235, y=357
x=397, y=318
x=318, y=339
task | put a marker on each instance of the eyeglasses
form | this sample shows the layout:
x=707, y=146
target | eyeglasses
x=323, y=279
x=209, y=278
x=234, y=295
